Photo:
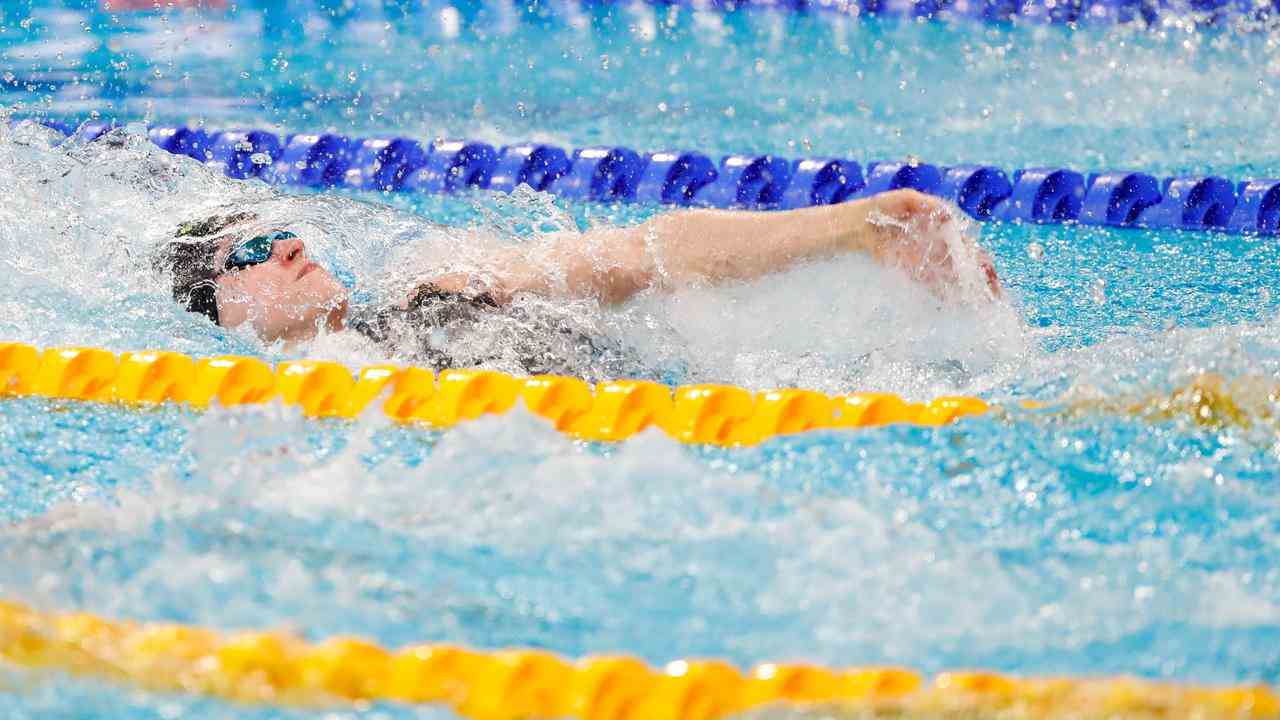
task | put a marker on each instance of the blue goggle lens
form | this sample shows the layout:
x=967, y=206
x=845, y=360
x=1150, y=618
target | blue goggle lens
x=255, y=250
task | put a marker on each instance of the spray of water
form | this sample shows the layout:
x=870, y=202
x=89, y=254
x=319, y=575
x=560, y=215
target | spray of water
x=79, y=234
x=1054, y=545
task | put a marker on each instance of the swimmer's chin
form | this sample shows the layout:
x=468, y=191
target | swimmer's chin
x=328, y=320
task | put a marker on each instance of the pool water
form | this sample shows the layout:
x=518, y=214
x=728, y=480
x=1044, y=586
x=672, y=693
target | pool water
x=1165, y=100
x=1036, y=542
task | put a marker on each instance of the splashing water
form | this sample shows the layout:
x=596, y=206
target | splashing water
x=1040, y=542
x=106, y=206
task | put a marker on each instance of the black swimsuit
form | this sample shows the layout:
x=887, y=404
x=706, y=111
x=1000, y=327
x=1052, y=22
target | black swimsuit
x=441, y=330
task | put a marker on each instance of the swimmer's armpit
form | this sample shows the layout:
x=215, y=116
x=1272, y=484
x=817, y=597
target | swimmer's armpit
x=431, y=293
x=432, y=306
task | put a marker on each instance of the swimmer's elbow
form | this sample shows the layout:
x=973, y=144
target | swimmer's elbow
x=615, y=271
x=621, y=284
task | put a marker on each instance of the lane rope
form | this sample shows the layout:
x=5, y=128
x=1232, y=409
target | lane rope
x=1155, y=14
x=1041, y=195
x=282, y=668
x=613, y=410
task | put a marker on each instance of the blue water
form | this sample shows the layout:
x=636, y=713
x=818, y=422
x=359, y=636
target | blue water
x=1163, y=100
x=1033, y=542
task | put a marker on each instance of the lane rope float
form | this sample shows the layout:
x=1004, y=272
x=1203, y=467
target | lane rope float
x=1245, y=14
x=1151, y=13
x=282, y=668
x=1042, y=195
x=613, y=410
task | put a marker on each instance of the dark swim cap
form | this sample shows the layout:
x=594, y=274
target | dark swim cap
x=189, y=257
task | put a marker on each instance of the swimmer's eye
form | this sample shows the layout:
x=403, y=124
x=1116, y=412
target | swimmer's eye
x=255, y=251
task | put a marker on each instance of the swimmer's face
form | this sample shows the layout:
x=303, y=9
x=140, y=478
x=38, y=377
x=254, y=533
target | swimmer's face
x=289, y=297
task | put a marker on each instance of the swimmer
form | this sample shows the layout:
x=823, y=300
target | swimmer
x=238, y=269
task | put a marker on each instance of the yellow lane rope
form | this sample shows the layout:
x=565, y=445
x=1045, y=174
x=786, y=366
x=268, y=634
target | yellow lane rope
x=277, y=667
x=613, y=410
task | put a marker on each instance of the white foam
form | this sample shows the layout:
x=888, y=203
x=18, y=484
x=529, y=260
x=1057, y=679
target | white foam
x=79, y=230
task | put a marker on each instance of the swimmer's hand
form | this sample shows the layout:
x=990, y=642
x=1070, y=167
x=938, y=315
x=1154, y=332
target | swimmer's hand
x=920, y=235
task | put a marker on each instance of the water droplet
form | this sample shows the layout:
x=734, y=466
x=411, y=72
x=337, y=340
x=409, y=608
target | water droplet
x=1035, y=251
x=450, y=22
x=260, y=159
x=351, y=76
x=244, y=75
x=1265, y=295
x=1098, y=291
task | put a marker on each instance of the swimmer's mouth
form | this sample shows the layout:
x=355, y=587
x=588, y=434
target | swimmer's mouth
x=307, y=269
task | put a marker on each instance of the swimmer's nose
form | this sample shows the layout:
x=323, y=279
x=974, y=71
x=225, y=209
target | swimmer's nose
x=291, y=250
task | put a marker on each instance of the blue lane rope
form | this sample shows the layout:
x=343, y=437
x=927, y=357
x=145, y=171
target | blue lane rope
x=1063, y=12
x=1045, y=195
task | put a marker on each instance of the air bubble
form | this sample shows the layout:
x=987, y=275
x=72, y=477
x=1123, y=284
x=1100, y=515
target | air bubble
x=1035, y=251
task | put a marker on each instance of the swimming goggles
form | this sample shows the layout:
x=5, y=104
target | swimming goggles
x=255, y=251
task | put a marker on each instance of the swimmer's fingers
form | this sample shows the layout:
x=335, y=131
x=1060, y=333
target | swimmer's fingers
x=919, y=243
x=988, y=267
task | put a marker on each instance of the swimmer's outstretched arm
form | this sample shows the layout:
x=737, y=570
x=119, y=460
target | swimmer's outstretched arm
x=680, y=249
